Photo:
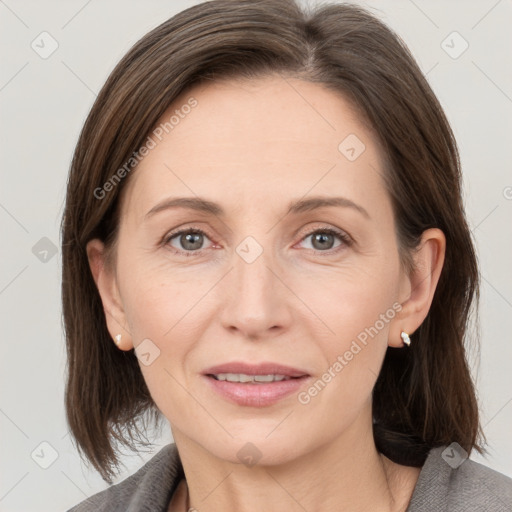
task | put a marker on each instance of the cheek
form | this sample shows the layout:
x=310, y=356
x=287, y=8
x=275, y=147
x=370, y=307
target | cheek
x=161, y=309
x=166, y=306
x=351, y=298
x=156, y=295
x=355, y=306
x=357, y=309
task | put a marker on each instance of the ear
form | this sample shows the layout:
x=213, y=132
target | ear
x=106, y=282
x=418, y=286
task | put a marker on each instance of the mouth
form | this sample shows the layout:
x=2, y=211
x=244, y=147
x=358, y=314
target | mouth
x=255, y=385
x=251, y=379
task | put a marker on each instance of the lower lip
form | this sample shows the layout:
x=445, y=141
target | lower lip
x=256, y=395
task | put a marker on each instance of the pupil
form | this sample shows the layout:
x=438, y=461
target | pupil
x=191, y=239
x=322, y=237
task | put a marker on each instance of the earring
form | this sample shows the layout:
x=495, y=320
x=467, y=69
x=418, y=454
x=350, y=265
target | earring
x=118, y=339
x=405, y=338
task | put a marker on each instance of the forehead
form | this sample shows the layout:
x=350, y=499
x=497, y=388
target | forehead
x=258, y=139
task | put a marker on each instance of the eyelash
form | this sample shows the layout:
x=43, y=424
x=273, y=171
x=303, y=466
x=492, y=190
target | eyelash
x=345, y=239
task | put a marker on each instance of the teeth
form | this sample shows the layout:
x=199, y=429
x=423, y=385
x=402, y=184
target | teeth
x=242, y=377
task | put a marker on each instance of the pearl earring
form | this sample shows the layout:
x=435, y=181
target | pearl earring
x=118, y=339
x=405, y=338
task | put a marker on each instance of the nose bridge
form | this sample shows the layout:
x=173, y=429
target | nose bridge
x=253, y=279
x=255, y=301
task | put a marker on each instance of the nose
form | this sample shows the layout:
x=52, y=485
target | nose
x=257, y=301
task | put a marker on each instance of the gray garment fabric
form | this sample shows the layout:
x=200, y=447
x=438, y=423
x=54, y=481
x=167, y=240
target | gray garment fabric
x=148, y=490
x=440, y=488
x=471, y=487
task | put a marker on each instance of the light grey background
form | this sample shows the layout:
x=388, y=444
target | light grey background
x=43, y=105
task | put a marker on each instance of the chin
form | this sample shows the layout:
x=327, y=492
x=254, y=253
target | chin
x=252, y=446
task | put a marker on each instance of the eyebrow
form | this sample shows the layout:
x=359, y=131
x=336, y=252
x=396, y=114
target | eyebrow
x=202, y=205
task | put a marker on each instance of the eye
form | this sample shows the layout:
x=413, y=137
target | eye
x=323, y=240
x=190, y=241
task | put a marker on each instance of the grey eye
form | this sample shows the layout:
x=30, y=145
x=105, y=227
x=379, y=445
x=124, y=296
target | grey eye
x=324, y=239
x=188, y=240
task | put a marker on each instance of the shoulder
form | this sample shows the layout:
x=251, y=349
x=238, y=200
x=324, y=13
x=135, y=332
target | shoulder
x=474, y=484
x=449, y=482
x=149, y=489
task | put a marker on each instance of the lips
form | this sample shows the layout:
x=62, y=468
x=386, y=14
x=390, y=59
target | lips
x=256, y=369
x=238, y=382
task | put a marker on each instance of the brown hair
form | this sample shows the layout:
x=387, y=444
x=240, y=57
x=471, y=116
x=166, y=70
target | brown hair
x=424, y=396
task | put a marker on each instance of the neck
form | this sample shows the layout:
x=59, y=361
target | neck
x=346, y=474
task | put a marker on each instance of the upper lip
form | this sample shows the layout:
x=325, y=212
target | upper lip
x=255, y=369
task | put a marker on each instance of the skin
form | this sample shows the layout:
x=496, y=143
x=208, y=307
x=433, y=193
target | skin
x=253, y=147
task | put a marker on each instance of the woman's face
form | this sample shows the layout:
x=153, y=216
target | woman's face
x=268, y=275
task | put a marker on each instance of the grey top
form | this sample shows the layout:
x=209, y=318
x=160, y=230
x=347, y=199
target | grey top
x=440, y=487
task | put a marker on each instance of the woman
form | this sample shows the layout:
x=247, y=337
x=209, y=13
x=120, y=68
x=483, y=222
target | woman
x=264, y=243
